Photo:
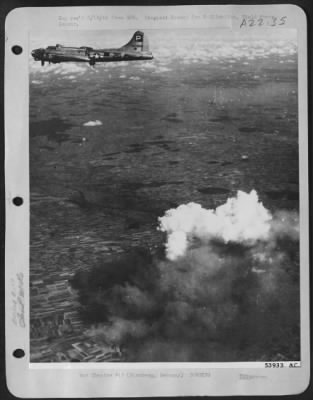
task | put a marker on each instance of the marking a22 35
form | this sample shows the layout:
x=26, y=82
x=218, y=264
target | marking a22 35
x=263, y=21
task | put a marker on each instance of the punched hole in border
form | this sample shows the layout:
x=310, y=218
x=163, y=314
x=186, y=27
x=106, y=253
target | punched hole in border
x=18, y=353
x=17, y=49
x=18, y=201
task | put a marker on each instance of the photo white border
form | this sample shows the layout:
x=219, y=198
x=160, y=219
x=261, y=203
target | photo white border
x=27, y=379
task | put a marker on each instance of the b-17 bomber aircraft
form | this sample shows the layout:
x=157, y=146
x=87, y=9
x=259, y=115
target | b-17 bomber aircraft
x=136, y=49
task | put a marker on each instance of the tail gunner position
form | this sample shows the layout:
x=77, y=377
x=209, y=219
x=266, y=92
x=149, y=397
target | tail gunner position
x=136, y=49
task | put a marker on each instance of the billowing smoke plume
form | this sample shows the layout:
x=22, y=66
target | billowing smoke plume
x=242, y=219
x=227, y=290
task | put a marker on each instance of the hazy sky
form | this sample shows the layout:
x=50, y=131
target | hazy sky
x=168, y=38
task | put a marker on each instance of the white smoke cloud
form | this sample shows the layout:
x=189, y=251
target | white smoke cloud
x=176, y=245
x=242, y=219
x=93, y=123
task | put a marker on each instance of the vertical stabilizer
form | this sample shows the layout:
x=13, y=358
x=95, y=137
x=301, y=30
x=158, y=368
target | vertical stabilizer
x=139, y=42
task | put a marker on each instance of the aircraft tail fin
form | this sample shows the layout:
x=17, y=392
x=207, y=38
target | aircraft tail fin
x=139, y=42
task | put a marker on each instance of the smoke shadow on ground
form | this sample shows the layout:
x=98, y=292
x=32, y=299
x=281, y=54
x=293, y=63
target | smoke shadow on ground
x=220, y=302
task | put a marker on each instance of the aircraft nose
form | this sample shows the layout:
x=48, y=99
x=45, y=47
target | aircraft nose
x=37, y=52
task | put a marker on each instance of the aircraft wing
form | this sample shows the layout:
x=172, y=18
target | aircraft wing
x=68, y=57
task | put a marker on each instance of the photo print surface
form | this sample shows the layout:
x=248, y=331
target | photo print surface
x=164, y=196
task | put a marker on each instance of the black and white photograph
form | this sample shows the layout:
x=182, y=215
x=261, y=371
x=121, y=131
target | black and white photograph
x=164, y=196
x=157, y=212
